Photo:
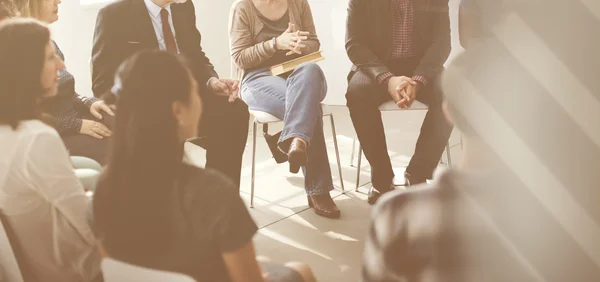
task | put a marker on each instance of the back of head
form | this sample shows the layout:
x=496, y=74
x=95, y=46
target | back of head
x=529, y=93
x=134, y=195
x=23, y=45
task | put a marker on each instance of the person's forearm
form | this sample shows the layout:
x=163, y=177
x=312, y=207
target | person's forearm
x=82, y=103
x=356, y=46
x=65, y=124
x=105, y=54
x=246, y=57
x=432, y=62
x=68, y=126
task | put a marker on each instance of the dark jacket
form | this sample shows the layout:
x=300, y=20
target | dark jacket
x=124, y=27
x=369, y=36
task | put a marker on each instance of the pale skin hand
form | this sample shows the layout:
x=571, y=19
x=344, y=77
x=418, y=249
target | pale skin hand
x=402, y=90
x=411, y=91
x=291, y=39
x=94, y=129
x=225, y=87
x=98, y=107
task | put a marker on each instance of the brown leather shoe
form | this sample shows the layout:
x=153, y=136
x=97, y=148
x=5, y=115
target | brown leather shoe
x=324, y=206
x=297, y=156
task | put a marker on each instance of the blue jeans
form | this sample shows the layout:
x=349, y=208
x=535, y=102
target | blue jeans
x=297, y=101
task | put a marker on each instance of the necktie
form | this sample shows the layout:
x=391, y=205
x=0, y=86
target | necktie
x=167, y=33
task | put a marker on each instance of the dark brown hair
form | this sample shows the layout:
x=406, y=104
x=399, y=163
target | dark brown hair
x=22, y=56
x=132, y=202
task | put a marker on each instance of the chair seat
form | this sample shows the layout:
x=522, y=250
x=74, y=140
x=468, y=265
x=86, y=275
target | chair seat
x=391, y=106
x=264, y=117
x=88, y=178
x=118, y=271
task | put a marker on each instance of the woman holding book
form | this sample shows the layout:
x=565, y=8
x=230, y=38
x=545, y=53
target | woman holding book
x=264, y=33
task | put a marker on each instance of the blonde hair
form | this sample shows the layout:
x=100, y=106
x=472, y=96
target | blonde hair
x=29, y=8
x=7, y=9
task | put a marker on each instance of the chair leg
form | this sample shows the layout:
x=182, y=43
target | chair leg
x=358, y=167
x=337, y=152
x=448, y=154
x=253, y=164
x=353, y=150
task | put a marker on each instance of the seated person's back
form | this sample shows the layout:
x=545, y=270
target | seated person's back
x=41, y=199
x=205, y=217
x=45, y=205
x=154, y=210
x=469, y=226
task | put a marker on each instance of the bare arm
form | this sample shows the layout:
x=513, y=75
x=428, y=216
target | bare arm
x=242, y=265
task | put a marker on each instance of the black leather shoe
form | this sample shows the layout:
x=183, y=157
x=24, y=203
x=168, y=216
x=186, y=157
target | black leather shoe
x=374, y=195
x=409, y=180
x=278, y=155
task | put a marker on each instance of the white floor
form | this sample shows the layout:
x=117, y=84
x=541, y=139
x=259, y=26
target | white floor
x=289, y=231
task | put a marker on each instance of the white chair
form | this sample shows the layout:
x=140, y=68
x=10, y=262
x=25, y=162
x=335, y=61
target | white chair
x=9, y=267
x=388, y=107
x=266, y=118
x=118, y=271
x=87, y=171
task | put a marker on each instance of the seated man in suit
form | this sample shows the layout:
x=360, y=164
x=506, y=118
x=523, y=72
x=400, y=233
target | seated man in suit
x=398, y=49
x=127, y=26
x=530, y=167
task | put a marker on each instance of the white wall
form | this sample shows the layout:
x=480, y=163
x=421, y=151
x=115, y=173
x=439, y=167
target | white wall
x=74, y=31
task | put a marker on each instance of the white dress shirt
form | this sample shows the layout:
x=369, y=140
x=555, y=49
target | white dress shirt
x=154, y=12
x=45, y=204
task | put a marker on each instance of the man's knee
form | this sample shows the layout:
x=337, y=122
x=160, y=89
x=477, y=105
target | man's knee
x=362, y=93
x=237, y=113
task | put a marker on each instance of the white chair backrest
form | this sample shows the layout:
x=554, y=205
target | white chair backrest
x=9, y=268
x=118, y=271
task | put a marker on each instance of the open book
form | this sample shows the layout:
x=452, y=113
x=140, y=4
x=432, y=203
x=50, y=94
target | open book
x=292, y=64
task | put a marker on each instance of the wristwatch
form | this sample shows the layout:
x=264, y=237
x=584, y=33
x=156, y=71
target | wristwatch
x=274, y=43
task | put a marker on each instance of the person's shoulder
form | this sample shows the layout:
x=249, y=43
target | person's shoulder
x=33, y=129
x=30, y=135
x=418, y=197
x=300, y=3
x=114, y=7
x=206, y=181
x=242, y=6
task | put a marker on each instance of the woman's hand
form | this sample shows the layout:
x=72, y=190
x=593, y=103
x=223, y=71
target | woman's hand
x=99, y=106
x=292, y=40
x=94, y=129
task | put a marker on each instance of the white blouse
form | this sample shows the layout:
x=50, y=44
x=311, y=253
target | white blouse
x=45, y=204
